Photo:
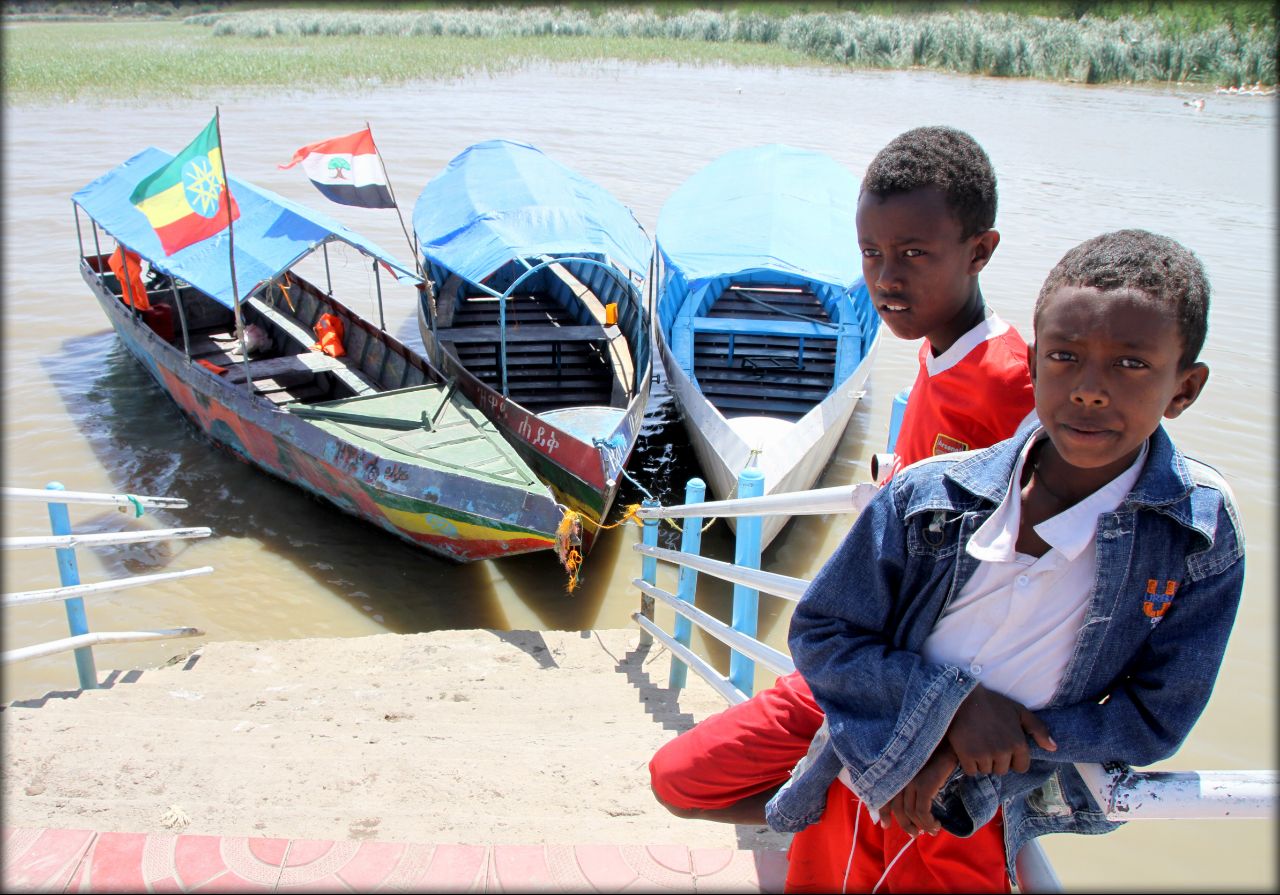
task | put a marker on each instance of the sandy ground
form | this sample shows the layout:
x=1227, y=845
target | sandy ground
x=463, y=736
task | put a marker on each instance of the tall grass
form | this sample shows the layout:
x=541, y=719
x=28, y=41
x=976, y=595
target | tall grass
x=298, y=47
x=1092, y=50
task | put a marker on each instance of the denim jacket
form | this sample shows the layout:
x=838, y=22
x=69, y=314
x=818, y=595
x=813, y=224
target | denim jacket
x=1169, y=576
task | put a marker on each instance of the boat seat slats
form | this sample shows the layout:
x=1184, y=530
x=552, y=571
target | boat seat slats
x=540, y=333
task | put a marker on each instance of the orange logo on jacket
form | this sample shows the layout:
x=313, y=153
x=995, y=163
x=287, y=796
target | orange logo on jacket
x=945, y=444
x=1157, y=605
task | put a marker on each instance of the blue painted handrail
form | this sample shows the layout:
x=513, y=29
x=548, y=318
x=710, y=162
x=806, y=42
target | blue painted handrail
x=72, y=591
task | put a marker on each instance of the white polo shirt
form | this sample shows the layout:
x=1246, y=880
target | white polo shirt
x=1015, y=623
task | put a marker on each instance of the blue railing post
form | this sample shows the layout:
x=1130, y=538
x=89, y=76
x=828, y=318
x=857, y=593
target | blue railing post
x=896, y=413
x=746, y=600
x=648, y=566
x=690, y=542
x=69, y=573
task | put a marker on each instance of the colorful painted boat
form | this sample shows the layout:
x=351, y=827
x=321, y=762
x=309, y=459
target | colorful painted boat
x=376, y=432
x=537, y=310
x=765, y=327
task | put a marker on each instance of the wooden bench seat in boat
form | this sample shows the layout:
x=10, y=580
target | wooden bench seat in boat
x=540, y=333
x=278, y=367
x=342, y=370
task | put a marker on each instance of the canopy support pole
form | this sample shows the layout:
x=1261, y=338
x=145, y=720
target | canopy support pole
x=182, y=317
x=231, y=254
x=79, y=235
x=96, y=247
x=377, y=280
x=327, y=278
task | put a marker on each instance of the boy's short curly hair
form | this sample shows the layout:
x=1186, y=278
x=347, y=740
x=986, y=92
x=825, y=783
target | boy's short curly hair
x=1146, y=262
x=940, y=157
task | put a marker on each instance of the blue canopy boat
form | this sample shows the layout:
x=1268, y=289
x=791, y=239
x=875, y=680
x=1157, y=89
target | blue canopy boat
x=376, y=431
x=538, y=311
x=765, y=327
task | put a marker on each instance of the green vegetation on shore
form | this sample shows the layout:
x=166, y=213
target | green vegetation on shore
x=159, y=51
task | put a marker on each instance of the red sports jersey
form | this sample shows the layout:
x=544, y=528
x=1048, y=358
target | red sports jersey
x=971, y=396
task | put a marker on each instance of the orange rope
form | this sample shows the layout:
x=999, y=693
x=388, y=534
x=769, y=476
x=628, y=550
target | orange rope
x=568, y=539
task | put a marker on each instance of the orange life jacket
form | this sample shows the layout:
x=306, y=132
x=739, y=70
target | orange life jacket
x=121, y=260
x=328, y=330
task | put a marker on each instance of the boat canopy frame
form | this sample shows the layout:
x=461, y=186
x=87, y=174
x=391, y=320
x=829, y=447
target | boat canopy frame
x=627, y=282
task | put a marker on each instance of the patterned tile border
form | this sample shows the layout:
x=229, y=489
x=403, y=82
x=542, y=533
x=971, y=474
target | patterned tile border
x=39, y=860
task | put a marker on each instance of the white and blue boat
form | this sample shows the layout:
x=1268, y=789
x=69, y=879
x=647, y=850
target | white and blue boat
x=764, y=324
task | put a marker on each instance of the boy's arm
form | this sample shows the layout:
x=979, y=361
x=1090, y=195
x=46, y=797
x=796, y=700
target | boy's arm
x=887, y=709
x=1152, y=707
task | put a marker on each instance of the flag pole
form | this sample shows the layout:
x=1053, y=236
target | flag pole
x=413, y=246
x=231, y=243
x=411, y=240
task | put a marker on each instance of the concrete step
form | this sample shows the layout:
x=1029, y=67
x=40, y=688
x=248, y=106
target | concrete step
x=459, y=736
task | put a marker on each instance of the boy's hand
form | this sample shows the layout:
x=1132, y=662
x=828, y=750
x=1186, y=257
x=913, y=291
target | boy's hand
x=989, y=734
x=913, y=807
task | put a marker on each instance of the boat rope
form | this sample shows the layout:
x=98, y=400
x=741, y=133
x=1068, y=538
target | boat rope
x=137, y=507
x=284, y=284
x=568, y=546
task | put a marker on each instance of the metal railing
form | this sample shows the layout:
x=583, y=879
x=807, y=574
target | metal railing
x=1124, y=796
x=72, y=592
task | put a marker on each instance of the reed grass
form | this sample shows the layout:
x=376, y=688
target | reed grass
x=320, y=47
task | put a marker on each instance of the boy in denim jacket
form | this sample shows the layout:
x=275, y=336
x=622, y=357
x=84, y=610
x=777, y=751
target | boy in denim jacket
x=1063, y=596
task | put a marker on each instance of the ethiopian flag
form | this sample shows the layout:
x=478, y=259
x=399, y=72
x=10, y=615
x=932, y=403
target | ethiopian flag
x=187, y=200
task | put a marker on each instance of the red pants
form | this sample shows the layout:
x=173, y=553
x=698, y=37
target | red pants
x=744, y=750
x=752, y=747
x=881, y=860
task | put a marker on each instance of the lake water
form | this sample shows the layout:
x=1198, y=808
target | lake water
x=1072, y=162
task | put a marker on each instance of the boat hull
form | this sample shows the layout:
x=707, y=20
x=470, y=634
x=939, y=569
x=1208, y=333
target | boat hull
x=449, y=514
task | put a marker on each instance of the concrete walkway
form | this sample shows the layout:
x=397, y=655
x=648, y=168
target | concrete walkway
x=451, y=761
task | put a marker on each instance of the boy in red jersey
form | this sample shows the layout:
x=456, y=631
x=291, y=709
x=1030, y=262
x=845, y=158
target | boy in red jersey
x=925, y=226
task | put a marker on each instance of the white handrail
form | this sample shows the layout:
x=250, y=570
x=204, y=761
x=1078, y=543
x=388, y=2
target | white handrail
x=125, y=501
x=94, y=638
x=714, y=679
x=777, y=661
x=48, y=595
x=840, y=499
x=1183, y=795
x=104, y=539
x=770, y=582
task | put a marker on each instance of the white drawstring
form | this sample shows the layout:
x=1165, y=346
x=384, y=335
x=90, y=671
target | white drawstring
x=900, y=853
x=857, y=816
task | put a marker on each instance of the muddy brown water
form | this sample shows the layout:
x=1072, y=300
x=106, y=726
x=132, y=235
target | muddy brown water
x=1072, y=161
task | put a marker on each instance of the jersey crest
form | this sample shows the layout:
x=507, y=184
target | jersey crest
x=945, y=444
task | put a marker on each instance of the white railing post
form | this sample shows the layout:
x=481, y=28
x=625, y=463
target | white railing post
x=69, y=574
x=746, y=600
x=690, y=542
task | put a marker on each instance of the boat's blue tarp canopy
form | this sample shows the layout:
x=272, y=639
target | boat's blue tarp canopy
x=500, y=200
x=764, y=207
x=271, y=234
